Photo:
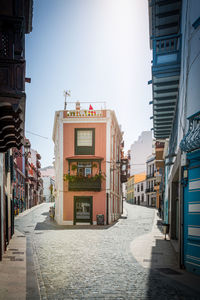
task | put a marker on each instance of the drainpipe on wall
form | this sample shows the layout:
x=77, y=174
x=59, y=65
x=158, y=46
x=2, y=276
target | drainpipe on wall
x=107, y=208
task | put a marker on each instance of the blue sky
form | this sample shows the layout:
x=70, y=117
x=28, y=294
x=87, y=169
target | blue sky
x=98, y=49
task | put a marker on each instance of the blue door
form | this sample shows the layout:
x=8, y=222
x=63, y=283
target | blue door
x=192, y=214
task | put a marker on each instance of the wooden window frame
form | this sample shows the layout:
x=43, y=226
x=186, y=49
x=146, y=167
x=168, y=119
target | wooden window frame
x=85, y=150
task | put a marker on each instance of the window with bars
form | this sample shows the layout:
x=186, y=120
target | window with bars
x=84, y=141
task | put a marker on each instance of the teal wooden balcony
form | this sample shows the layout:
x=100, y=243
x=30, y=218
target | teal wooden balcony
x=77, y=183
x=166, y=44
x=166, y=53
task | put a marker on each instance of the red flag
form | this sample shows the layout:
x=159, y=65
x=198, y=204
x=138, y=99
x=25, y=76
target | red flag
x=90, y=108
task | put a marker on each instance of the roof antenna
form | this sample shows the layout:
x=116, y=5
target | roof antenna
x=66, y=94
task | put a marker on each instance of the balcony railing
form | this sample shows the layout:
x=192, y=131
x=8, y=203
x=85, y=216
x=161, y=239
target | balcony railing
x=85, y=184
x=191, y=140
x=149, y=190
x=166, y=50
x=84, y=113
x=151, y=175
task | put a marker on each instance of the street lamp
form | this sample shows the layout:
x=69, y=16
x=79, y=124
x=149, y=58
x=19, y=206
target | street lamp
x=27, y=147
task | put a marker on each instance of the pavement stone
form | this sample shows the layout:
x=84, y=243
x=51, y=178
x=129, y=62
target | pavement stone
x=13, y=269
x=102, y=262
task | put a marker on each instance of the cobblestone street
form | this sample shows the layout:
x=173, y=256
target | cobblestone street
x=94, y=263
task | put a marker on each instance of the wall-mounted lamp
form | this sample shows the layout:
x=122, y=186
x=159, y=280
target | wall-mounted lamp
x=27, y=147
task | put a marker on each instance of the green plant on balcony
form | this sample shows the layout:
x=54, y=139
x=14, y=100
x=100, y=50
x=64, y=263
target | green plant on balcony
x=84, y=183
x=80, y=178
x=74, y=167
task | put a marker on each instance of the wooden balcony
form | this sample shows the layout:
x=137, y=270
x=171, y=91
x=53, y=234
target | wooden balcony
x=77, y=183
x=165, y=40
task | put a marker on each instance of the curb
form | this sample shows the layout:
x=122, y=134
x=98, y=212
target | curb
x=27, y=211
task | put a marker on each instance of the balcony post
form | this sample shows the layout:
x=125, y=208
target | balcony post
x=68, y=167
x=99, y=167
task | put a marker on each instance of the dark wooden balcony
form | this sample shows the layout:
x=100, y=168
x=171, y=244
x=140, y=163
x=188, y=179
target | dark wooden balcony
x=85, y=184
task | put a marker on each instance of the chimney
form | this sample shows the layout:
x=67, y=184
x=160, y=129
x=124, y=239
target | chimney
x=78, y=105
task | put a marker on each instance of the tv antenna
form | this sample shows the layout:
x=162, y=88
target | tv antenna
x=66, y=94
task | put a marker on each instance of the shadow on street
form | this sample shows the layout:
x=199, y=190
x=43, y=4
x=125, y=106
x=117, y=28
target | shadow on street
x=50, y=224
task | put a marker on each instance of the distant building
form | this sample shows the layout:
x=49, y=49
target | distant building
x=35, y=192
x=48, y=172
x=139, y=151
x=48, y=177
x=150, y=181
x=18, y=178
x=48, y=188
x=160, y=172
x=130, y=190
x=139, y=189
x=88, y=155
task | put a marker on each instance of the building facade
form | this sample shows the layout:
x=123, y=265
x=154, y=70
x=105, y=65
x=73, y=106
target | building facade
x=130, y=190
x=15, y=22
x=48, y=188
x=35, y=183
x=48, y=177
x=139, y=151
x=140, y=189
x=174, y=38
x=150, y=181
x=18, y=179
x=160, y=175
x=88, y=156
x=48, y=172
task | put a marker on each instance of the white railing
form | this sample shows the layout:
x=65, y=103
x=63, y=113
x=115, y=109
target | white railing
x=84, y=113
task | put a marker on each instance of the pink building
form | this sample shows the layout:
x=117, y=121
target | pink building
x=87, y=166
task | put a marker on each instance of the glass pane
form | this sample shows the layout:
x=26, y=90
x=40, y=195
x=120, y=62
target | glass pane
x=84, y=138
x=82, y=210
x=87, y=171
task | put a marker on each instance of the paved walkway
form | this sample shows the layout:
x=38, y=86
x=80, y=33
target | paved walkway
x=150, y=250
x=13, y=268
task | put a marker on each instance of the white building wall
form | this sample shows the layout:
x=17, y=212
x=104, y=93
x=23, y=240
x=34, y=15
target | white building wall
x=140, y=149
x=58, y=151
x=47, y=181
x=136, y=193
x=48, y=171
x=189, y=90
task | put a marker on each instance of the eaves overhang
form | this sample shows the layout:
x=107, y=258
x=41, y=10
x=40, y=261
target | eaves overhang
x=11, y=126
x=165, y=91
